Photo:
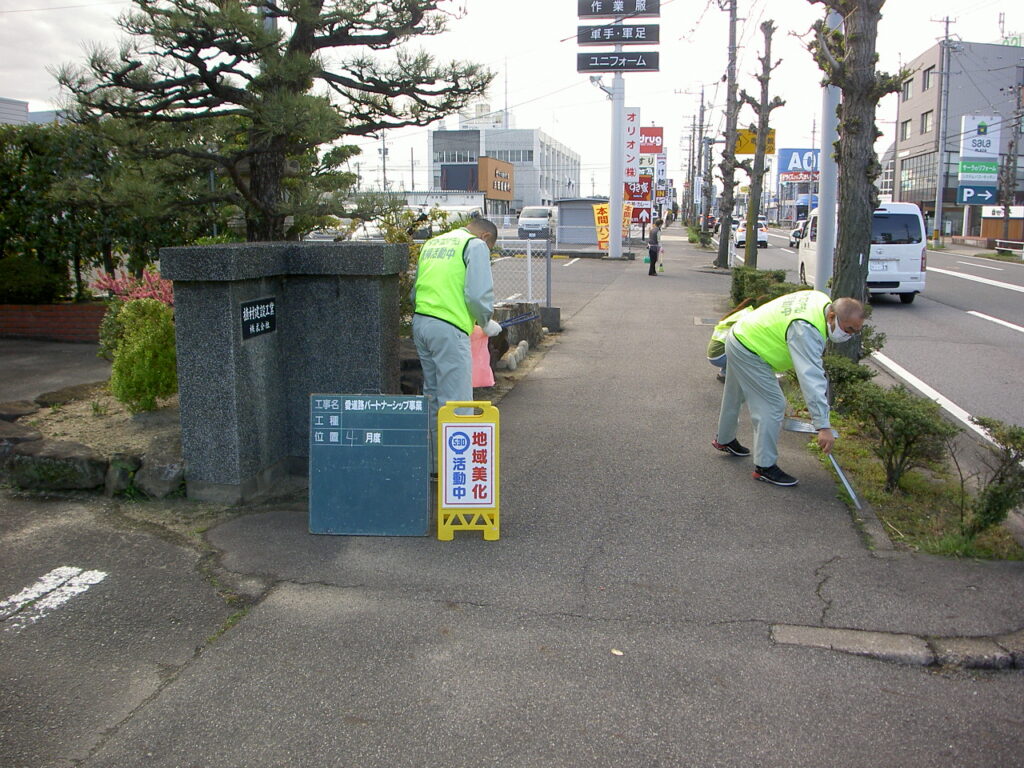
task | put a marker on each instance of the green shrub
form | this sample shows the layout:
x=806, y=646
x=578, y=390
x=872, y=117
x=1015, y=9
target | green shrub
x=843, y=376
x=906, y=430
x=775, y=290
x=871, y=340
x=1004, y=486
x=145, y=362
x=749, y=283
x=23, y=280
x=110, y=329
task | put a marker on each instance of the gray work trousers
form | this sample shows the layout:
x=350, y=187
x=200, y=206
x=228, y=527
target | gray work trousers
x=750, y=380
x=447, y=368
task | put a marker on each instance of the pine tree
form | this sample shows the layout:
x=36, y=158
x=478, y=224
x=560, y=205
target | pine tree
x=267, y=78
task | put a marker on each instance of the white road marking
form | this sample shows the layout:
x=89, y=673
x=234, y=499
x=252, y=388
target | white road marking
x=501, y=258
x=788, y=251
x=47, y=594
x=982, y=266
x=570, y=262
x=984, y=280
x=944, y=402
x=996, y=320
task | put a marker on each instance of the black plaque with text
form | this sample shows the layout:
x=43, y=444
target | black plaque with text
x=259, y=317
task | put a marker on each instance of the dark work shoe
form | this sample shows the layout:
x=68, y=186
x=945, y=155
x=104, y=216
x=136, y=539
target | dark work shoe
x=774, y=475
x=732, y=447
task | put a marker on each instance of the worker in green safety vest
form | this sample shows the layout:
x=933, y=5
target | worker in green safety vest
x=788, y=333
x=454, y=290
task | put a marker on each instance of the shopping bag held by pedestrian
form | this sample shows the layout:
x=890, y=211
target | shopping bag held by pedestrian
x=483, y=376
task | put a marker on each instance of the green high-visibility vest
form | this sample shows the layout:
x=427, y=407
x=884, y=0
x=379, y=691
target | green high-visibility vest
x=716, y=346
x=441, y=279
x=763, y=331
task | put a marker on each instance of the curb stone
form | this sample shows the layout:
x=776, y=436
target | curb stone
x=885, y=646
x=997, y=653
x=971, y=653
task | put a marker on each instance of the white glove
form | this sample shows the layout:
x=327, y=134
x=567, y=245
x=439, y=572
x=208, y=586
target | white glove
x=492, y=328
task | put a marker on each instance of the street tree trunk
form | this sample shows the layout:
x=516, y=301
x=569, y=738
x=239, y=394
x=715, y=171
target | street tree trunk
x=763, y=108
x=848, y=60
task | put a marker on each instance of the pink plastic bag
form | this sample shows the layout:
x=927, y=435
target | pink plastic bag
x=483, y=376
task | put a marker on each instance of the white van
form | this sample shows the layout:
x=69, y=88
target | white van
x=898, y=260
x=537, y=221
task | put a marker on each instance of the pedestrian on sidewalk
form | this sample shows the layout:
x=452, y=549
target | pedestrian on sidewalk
x=454, y=289
x=788, y=333
x=654, y=244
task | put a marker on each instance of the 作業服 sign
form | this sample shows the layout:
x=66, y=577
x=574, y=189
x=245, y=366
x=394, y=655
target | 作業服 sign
x=598, y=9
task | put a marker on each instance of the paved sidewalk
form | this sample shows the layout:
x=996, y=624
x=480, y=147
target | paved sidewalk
x=648, y=604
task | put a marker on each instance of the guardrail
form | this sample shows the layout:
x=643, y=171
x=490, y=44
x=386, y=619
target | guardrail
x=1010, y=246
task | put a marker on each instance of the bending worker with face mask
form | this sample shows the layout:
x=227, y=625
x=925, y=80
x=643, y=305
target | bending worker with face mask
x=454, y=289
x=788, y=333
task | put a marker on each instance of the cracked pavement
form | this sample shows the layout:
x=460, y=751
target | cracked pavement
x=637, y=610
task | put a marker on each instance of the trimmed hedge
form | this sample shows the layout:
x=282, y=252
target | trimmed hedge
x=761, y=284
x=24, y=280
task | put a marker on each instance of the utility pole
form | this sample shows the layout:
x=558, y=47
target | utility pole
x=828, y=176
x=701, y=130
x=691, y=172
x=412, y=168
x=940, y=171
x=708, y=142
x=384, y=159
x=728, y=164
x=1008, y=172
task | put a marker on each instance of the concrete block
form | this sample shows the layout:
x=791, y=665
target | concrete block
x=971, y=653
x=899, y=648
x=245, y=394
x=1014, y=644
x=55, y=465
x=15, y=409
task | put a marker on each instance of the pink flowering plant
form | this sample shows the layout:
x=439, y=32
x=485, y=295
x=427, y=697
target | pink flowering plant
x=126, y=287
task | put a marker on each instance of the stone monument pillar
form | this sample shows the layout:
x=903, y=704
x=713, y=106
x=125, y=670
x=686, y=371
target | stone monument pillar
x=261, y=326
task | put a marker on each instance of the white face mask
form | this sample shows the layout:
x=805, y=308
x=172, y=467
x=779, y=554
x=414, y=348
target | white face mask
x=837, y=334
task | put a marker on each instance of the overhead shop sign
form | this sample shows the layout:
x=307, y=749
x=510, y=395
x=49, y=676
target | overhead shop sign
x=610, y=9
x=618, y=34
x=796, y=165
x=615, y=61
x=979, y=159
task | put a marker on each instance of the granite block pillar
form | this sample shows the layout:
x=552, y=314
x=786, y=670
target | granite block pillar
x=261, y=326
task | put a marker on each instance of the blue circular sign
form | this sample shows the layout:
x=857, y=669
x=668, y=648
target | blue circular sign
x=458, y=442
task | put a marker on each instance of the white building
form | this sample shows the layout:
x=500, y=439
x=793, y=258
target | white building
x=15, y=112
x=545, y=169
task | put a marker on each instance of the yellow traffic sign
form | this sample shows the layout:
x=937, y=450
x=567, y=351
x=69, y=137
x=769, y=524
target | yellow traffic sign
x=746, y=142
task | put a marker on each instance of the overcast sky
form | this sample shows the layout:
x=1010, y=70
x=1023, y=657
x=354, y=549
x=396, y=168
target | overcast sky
x=531, y=44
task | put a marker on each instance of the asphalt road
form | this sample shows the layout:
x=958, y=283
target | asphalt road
x=975, y=363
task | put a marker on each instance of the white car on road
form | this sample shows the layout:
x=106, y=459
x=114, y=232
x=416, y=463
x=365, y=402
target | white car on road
x=898, y=258
x=762, y=235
